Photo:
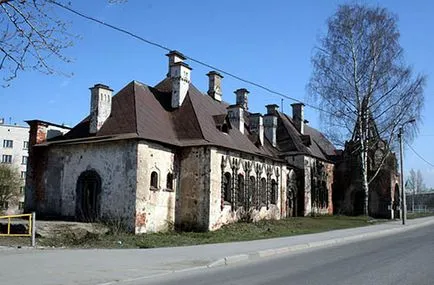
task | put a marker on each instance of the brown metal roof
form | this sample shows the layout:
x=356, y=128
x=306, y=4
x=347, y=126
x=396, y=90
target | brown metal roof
x=145, y=112
x=291, y=141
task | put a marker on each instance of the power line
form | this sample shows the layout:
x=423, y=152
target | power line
x=263, y=87
x=418, y=155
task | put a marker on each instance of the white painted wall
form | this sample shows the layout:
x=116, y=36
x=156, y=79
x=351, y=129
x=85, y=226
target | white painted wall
x=18, y=135
x=155, y=208
x=115, y=162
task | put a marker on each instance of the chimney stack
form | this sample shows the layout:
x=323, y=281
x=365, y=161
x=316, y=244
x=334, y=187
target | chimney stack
x=298, y=116
x=179, y=73
x=215, y=85
x=241, y=98
x=236, y=117
x=100, y=106
x=257, y=126
x=174, y=57
x=270, y=123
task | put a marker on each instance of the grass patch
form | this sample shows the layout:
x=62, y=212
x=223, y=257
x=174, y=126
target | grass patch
x=228, y=233
x=419, y=215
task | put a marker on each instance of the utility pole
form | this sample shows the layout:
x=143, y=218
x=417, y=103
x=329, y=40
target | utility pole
x=401, y=152
x=401, y=156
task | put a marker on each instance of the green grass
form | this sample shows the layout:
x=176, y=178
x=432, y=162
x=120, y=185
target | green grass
x=419, y=215
x=228, y=233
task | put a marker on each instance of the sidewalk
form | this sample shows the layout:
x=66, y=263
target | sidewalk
x=72, y=266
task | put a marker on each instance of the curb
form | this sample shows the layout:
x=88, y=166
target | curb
x=313, y=245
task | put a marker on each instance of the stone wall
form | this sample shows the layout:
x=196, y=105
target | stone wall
x=116, y=164
x=193, y=198
x=155, y=206
x=307, y=165
x=223, y=212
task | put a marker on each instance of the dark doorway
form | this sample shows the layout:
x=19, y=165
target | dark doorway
x=88, y=196
x=359, y=203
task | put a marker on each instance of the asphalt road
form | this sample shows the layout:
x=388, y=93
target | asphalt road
x=406, y=258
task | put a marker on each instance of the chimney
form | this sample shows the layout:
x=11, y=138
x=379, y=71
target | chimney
x=270, y=123
x=298, y=116
x=257, y=126
x=174, y=57
x=100, y=106
x=236, y=117
x=215, y=85
x=179, y=73
x=241, y=98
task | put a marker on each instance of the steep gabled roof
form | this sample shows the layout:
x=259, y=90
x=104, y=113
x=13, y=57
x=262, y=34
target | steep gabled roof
x=312, y=142
x=146, y=112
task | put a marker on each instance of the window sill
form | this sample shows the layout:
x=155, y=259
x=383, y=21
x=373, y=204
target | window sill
x=154, y=189
x=168, y=190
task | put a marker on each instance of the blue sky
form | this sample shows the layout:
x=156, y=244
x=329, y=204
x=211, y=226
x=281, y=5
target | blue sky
x=269, y=42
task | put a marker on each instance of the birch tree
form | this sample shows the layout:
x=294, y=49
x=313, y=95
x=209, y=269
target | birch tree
x=362, y=82
x=32, y=37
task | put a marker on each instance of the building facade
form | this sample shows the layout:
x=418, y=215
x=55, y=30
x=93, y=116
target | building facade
x=169, y=156
x=383, y=178
x=14, y=145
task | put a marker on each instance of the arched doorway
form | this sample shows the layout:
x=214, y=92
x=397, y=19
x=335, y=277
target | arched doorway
x=87, y=206
x=358, y=202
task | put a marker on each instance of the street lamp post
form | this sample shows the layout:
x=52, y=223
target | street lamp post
x=401, y=154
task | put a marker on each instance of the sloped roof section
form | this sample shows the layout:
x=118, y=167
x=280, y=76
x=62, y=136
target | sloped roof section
x=146, y=111
x=291, y=141
x=322, y=142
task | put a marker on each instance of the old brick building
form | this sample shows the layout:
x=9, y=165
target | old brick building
x=169, y=155
x=383, y=199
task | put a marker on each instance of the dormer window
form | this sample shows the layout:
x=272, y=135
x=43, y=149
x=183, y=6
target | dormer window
x=222, y=123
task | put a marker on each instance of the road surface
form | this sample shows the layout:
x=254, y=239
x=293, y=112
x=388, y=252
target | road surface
x=405, y=258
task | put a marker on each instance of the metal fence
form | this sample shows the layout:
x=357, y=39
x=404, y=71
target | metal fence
x=29, y=220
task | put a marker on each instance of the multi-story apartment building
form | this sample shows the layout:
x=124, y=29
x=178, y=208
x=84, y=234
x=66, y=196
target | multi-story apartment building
x=14, y=144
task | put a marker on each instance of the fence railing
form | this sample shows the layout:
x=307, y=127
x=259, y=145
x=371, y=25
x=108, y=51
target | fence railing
x=30, y=220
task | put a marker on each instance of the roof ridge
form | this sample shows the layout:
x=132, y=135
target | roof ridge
x=135, y=83
x=297, y=145
x=194, y=109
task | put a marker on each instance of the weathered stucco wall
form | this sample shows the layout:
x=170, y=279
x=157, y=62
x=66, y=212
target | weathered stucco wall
x=155, y=207
x=192, y=207
x=221, y=162
x=116, y=164
x=306, y=164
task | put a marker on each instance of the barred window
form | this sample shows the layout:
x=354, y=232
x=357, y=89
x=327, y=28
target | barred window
x=227, y=187
x=263, y=191
x=273, y=192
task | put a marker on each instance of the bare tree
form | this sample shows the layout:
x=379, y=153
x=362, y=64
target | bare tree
x=414, y=185
x=31, y=37
x=361, y=80
x=10, y=183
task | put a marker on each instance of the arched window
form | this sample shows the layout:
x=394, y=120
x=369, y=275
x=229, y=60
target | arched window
x=263, y=191
x=253, y=196
x=169, y=181
x=154, y=180
x=227, y=188
x=273, y=194
x=240, y=190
